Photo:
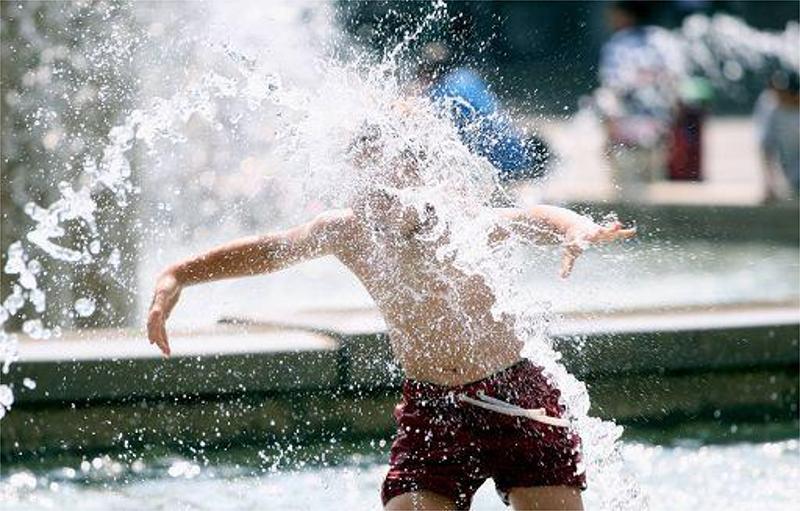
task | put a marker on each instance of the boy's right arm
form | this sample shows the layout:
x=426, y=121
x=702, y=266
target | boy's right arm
x=326, y=234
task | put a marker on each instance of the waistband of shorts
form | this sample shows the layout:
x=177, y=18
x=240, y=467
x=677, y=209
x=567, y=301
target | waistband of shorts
x=415, y=389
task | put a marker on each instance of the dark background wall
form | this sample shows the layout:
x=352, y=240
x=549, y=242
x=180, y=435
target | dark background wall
x=544, y=54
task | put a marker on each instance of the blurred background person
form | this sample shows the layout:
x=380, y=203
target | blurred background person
x=638, y=97
x=777, y=118
x=478, y=115
x=685, y=145
x=685, y=142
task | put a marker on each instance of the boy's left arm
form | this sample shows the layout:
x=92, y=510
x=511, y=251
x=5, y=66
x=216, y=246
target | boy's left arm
x=559, y=225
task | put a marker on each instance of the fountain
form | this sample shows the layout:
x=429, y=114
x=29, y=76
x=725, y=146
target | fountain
x=178, y=132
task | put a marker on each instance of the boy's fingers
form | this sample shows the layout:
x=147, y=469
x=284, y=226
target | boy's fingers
x=566, y=265
x=161, y=340
x=608, y=233
x=153, y=334
x=162, y=336
x=157, y=332
x=620, y=234
x=615, y=232
x=571, y=253
x=151, y=331
x=153, y=323
x=165, y=346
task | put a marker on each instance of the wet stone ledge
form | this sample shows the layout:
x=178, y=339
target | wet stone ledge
x=318, y=375
x=776, y=223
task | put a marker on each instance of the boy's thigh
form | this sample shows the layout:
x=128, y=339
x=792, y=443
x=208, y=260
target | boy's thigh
x=420, y=501
x=546, y=497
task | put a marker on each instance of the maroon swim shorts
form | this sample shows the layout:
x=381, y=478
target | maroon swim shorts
x=450, y=447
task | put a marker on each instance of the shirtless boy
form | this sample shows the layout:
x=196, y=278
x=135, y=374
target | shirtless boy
x=472, y=407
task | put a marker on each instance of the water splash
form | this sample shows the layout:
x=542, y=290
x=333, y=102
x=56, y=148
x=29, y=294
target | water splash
x=241, y=102
x=233, y=101
x=724, y=47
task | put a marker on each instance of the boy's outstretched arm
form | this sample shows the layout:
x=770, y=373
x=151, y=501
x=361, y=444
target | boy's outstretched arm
x=252, y=255
x=560, y=225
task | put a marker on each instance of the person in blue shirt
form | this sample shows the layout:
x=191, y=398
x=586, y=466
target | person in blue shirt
x=478, y=115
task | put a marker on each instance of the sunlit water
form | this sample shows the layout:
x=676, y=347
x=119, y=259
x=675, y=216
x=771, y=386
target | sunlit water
x=742, y=476
x=249, y=121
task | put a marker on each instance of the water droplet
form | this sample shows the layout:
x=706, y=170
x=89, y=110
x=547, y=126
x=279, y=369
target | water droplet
x=33, y=328
x=6, y=396
x=84, y=307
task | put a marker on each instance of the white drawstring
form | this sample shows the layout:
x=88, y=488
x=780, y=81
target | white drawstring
x=496, y=405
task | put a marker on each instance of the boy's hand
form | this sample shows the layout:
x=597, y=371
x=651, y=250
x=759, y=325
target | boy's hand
x=166, y=295
x=581, y=236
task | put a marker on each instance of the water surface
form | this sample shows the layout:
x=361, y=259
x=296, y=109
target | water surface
x=738, y=476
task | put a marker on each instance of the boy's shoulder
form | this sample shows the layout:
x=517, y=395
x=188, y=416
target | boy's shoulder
x=340, y=230
x=335, y=217
x=335, y=222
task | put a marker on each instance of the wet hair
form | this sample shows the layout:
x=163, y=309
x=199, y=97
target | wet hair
x=372, y=136
x=367, y=137
x=435, y=58
x=386, y=147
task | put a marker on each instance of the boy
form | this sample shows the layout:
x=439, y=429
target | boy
x=472, y=407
